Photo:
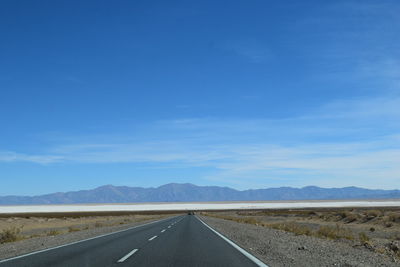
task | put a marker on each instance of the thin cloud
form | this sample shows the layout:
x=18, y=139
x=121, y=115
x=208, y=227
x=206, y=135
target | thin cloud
x=9, y=156
x=312, y=149
x=250, y=49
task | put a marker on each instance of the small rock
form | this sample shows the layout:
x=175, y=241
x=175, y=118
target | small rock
x=394, y=246
x=368, y=246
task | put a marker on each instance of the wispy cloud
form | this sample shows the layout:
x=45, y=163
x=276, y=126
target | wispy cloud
x=361, y=109
x=8, y=156
x=251, y=50
x=343, y=143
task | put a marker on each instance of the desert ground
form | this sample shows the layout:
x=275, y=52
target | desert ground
x=347, y=236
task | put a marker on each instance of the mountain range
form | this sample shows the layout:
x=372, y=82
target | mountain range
x=189, y=193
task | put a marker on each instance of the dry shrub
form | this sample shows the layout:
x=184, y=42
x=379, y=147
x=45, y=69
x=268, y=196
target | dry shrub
x=381, y=250
x=394, y=217
x=34, y=236
x=296, y=228
x=53, y=233
x=10, y=235
x=388, y=224
x=344, y=214
x=312, y=213
x=249, y=221
x=351, y=217
x=334, y=232
x=322, y=217
x=373, y=213
x=363, y=237
x=292, y=227
x=98, y=224
x=73, y=229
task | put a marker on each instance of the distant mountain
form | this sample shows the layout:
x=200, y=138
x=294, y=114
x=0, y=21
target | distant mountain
x=189, y=192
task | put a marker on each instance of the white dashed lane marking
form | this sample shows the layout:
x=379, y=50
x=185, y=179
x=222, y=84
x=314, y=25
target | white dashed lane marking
x=128, y=255
x=153, y=238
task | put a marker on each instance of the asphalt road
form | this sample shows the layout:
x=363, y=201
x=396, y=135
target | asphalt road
x=179, y=241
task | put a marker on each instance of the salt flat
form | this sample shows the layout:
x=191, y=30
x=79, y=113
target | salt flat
x=196, y=206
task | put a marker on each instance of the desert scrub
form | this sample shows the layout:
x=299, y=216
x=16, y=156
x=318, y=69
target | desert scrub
x=34, y=236
x=73, y=229
x=327, y=232
x=10, y=235
x=249, y=220
x=98, y=224
x=236, y=219
x=53, y=233
x=388, y=224
x=363, y=237
x=394, y=217
x=373, y=213
x=331, y=232
x=351, y=217
x=292, y=227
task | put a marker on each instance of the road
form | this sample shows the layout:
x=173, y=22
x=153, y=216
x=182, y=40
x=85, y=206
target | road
x=178, y=241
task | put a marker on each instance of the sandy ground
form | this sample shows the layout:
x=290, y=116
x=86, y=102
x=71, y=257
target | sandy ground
x=365, y=232
x=30, y=227
x=281, y=249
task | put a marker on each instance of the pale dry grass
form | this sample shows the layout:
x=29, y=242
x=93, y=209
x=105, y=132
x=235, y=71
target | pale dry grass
x=22, y=227
x=376, y=229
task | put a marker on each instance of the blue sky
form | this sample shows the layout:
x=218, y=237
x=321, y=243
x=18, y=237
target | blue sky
x=246, y=94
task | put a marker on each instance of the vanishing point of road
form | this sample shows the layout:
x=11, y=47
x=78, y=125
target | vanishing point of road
x=177, y=241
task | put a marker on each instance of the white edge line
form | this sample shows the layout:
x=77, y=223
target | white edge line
x=150, y=239
x=244, y=252
x=128, y=255
x=80, y=241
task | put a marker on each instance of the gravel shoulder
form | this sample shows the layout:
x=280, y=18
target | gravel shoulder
x=279, y=248
x=13, y=249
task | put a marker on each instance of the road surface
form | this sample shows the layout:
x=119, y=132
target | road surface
x=178, y=241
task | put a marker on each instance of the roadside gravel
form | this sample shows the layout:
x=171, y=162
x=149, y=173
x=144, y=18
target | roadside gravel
x=279, y=248
x=9, y=250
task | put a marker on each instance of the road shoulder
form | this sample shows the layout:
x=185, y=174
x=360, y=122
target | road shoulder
x=278, y=248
